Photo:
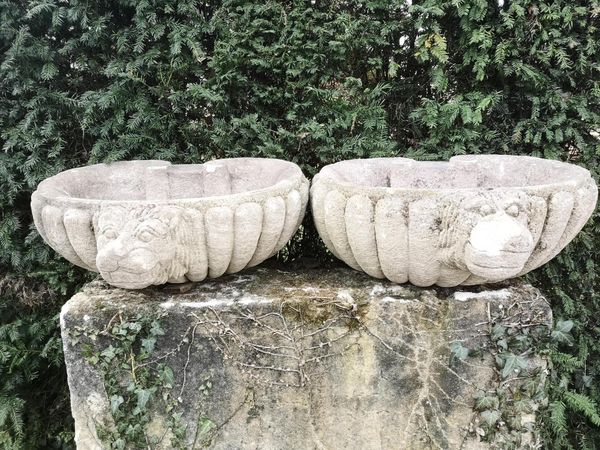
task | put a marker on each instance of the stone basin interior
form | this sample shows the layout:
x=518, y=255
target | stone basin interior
x=461, y=172
x=159, y=180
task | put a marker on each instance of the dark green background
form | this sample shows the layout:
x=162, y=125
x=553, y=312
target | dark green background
x=95, y=81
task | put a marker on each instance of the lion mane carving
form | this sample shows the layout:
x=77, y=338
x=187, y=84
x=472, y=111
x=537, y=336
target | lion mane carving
x=138, y=247
x=487, y=234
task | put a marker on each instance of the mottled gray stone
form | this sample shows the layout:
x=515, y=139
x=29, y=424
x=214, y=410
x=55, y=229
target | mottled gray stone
x=472, y=220
x=321, y=359
x=142, y=223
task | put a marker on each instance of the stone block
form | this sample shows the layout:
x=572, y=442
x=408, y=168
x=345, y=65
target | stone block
x=319, y=359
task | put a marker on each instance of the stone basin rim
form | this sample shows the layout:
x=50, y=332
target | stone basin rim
x=577, y=176
x=294, y=180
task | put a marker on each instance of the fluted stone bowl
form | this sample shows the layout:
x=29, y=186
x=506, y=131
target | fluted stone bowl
x=471, y=220
x=141, y=223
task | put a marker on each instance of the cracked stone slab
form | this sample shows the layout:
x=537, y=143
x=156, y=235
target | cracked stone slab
x=320, y=359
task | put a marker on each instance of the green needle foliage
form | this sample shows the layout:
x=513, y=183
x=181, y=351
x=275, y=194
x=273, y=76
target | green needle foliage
x=312, y=82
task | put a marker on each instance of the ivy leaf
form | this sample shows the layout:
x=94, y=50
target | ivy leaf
x=108, y=353
x=115, y=402
x=458, y=352
x=490, y=416
x=148, y=345
x=205, y=425
x=143, y=396
x=523, y=406
x=486, y=402
x=156, y=329
x=498, y=332
x=512, y=364
x=561, y=332
x=167, y=377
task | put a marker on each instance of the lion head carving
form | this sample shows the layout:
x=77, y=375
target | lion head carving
x=138, y=247
x=487, y=234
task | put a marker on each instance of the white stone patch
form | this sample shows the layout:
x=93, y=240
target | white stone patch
x=233, y=292
x=501, y=294
x=244, y=279
x=345, y=295
x=395, y=300
x=379, y=289
x=216, y=302
x=492, y=236
x=311, y=290
x=167, y=305
x=62, y=320
x=252, y=300
x=308, y=290
x=204, y=304
x=96, y=403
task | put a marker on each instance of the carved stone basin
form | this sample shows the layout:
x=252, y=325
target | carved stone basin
x=472, y=220
x=140, y=223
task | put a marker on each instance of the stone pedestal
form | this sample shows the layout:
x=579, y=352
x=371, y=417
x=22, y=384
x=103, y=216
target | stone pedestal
x=305, y=360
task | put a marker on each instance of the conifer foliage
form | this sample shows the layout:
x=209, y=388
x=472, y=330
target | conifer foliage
x=308, y=81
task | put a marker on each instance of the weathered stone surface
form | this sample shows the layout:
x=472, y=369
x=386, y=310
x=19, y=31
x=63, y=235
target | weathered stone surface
x=322, y=359
x=472, y=220
x=142, y=223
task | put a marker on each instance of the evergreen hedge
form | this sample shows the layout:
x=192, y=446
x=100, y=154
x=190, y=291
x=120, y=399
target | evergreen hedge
x=308, y=81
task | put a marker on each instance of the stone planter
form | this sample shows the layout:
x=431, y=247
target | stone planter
x=472, y=220
x=140, y=223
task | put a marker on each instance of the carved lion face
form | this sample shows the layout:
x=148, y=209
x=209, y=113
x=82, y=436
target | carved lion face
x=137, y=247
x=494, y=241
